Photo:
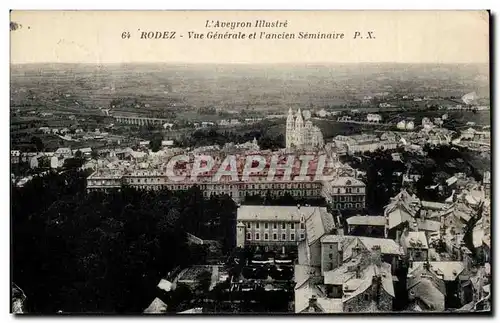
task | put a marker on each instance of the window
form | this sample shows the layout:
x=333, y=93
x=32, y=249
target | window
x=366, y=297
x=249, y=225
x=257, y=236
x=275, y=226
x=249, y=236
x=292, y=226
x=266, y=236
x=292, y=236
x=275, y=236
x=283, y=236
x=283, y=225
x=266, y=225
x=330, y=255
x=302, y=226
x=257, y=225
x=302, y=236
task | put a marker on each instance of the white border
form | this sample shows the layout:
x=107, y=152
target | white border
x=192, y=4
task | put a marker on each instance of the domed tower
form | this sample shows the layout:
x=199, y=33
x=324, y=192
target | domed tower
x=299, y=129
x=290, y=129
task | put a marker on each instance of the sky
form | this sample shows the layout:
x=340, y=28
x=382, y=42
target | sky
x=400, y=37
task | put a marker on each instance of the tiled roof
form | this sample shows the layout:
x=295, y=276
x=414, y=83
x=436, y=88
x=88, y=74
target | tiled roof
x=346, y=181
x=347, y=243
x=302, y=273
x=414, y=239
x=366, y=220
x=318, y=223
x=156, y=307
x=352, y=286
x=428, y=294
x=447, y=270
x=276, y=213
x=434, y=205
x=419, y=273
x=428, y=225
x=387, y=246
x=397, y=216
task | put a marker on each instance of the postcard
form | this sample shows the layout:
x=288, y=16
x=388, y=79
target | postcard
x=250, y=162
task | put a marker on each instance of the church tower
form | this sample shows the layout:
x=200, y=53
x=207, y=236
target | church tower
x=290, y=129
x=299, y=129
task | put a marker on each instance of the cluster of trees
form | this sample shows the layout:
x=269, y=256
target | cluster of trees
x=79, y=252
x=155, y=142
x=440, y=163
x=207, y=137
x=381, y=183
x=125, y=103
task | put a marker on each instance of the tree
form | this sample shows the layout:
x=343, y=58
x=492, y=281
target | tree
x=155, y=142
x=37, y=142
x=78, y=154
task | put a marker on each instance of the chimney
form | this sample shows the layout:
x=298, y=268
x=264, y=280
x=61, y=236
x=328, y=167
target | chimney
x=356, y=250
x=377, y=255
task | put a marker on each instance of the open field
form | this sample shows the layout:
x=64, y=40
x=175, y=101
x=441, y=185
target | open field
x=271, y=88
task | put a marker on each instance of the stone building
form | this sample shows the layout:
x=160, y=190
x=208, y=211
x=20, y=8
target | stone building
x=273, y=227
x=302, y=134
x=345, y=193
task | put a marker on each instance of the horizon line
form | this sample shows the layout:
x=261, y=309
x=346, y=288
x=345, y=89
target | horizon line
x=257, y=63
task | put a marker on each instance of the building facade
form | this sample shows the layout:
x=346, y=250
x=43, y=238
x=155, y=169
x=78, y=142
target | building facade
x=345, y=193
x=271, y=227
x=238, y=190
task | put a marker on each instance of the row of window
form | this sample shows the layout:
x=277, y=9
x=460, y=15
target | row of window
x=311, y=193
x=275, y=236
x=348, y=190
x=104, y=182
x=228, y=186
x=349, y=198
x=256, y=225
x=347, y=206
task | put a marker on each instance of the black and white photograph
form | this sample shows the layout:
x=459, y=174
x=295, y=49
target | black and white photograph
x=250, y=162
